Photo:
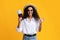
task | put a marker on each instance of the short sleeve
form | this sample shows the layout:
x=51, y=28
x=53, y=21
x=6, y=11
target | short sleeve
x=20, y=29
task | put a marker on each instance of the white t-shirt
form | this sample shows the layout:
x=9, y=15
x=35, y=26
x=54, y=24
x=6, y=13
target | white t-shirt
x=29, y=27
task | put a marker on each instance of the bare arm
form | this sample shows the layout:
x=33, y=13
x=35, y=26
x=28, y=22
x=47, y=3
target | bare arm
x=40, y=26
x=19, y=26
x=19, y=20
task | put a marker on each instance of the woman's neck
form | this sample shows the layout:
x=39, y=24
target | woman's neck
x=30, y=18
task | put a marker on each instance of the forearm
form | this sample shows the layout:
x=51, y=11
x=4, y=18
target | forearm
x=40, y=27
x=18, y=25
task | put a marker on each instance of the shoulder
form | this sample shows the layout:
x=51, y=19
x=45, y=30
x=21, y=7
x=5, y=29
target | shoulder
x=23, y=20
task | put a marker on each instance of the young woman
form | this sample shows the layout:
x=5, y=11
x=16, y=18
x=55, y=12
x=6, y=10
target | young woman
x=30, y=24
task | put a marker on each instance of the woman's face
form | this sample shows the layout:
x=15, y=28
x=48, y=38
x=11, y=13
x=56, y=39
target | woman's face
x=30, y=11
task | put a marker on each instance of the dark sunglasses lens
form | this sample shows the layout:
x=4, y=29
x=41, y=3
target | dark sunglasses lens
x=30, y=10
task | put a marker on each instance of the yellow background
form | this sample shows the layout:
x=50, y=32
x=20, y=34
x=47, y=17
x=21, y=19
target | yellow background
x=49, y=9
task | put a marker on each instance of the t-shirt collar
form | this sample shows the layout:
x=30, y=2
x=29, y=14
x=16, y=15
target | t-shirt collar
x=31, y=19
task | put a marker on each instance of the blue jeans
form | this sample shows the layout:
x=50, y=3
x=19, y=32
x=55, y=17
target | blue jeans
x=29, y=38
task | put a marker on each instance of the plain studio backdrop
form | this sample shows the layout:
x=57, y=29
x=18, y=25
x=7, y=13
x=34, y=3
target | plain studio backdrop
x=49, y=9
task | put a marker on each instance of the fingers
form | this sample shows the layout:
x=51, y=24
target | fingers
x=20, y=19
x=42, y=19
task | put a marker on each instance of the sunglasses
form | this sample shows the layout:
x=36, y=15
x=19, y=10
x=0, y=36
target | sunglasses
x=30, y=10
